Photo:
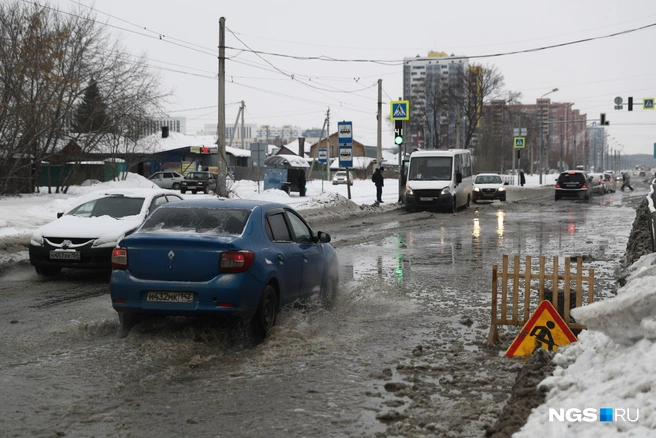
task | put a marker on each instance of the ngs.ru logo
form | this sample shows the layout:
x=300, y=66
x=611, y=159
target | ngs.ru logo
x=606, y=415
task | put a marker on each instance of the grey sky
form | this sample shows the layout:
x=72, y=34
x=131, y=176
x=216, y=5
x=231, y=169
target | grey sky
x=591, y=74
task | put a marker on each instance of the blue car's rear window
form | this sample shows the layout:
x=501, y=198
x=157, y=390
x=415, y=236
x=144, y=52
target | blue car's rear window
x=220, y=221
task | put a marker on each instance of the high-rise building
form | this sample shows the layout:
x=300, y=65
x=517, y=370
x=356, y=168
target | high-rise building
x=431, y=83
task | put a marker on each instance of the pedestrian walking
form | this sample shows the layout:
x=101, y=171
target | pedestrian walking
x=522, y=179
x=301, y=184
x=626, y=181
x=378, y=179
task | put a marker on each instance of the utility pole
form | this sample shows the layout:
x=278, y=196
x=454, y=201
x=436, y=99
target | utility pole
x=379, y=139
x=221, y=186
x=236, y=125
x=328, y=141
x=243, y=108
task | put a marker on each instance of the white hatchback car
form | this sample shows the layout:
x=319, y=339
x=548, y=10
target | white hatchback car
x=488, y=186
x=85, y=236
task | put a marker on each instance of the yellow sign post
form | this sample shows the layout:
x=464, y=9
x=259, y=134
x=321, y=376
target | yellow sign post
x=545, y=329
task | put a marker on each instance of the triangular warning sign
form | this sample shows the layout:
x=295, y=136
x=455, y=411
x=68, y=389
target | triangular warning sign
x=399, y=111
x=544, y=329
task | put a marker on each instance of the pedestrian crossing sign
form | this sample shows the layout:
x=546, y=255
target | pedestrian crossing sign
x=400, y=110
x=520, y=142
x=648, y=103
x=545, y=329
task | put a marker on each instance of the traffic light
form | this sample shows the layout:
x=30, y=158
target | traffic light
x=630, y=103
x=398, y=133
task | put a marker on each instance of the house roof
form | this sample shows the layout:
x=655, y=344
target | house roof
x=282, y=160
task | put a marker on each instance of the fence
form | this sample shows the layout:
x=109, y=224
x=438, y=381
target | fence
x=516, y=311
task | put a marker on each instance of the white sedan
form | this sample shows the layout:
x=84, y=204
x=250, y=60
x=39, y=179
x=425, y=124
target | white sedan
x=85, y=236
x=488, y=186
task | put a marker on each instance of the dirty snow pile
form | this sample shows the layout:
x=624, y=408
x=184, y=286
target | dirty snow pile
x=613, y=365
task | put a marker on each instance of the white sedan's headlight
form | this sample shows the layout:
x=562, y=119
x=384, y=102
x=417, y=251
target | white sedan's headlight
x=476, y=189
x=502, y=189
x=36, y=240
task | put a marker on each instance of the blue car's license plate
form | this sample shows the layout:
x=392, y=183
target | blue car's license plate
x=171, y=297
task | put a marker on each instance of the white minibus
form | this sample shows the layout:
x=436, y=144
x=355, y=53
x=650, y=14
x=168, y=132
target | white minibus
x=439, y=179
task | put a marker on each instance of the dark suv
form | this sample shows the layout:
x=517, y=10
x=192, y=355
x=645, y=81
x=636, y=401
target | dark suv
x=574, y=184
x=198, y=182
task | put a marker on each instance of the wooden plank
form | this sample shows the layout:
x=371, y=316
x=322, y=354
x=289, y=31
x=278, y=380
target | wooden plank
x=493, y=335
x=527, y=288
x=504, y=288
x=591, y=286
x=554, y=281
x=568, y=265
x=515, y=296
x=579, y=282
x=543, y=262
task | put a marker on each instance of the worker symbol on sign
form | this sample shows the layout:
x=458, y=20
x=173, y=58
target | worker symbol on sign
x=543, y=335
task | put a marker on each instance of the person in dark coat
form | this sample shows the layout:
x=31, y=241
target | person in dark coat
x=522, y=179
x=626, y=181
x=378, y=179
x=301, y=184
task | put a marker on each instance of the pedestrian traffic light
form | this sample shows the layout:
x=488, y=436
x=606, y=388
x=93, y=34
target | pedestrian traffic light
x=630, y=103
x=398, y=133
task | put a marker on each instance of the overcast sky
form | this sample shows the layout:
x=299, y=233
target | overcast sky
x=279, y=90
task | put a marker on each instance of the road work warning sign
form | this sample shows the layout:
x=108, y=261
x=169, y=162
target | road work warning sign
x=544, y=329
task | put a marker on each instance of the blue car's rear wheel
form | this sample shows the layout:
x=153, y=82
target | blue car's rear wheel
x=267, y=311
x=127, y=320
x=329, y=290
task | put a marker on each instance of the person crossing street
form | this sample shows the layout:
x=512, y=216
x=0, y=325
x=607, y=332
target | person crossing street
x=626, y=181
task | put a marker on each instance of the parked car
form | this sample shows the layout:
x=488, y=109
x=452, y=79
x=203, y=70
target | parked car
x=488, y=186
x=224, y=258
x=85, y=236
x=573, y=184
x=598, y=183
x=611, y=183
x=198, y=182
x=642, y=173
x=167, y=179
x=340, y=177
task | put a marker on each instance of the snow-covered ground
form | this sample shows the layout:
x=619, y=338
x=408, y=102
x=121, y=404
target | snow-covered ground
x=613, y=364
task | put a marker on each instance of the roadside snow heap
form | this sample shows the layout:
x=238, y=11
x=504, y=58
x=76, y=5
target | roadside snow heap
x=613, y=365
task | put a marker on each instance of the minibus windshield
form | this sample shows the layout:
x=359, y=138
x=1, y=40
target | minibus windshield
x=430, y=169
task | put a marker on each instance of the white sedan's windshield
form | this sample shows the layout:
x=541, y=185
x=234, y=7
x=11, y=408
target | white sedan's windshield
x=488, y=179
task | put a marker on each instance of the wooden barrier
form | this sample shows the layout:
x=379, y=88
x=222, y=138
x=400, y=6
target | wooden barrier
x=527, y=279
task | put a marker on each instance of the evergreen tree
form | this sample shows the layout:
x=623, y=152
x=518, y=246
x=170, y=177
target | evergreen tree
x=91, y=114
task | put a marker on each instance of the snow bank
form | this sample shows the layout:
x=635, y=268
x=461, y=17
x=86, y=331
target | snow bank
x=612, y=365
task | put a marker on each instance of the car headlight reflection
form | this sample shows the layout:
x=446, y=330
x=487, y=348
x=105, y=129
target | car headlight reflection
x=446, y=191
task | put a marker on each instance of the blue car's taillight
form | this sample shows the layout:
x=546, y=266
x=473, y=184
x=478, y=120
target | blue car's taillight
x=120, y=258
x=233, y=262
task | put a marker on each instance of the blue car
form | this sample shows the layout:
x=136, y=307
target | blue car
x=221, y=257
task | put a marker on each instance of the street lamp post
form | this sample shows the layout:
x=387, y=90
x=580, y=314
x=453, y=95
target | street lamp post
x=541, y=136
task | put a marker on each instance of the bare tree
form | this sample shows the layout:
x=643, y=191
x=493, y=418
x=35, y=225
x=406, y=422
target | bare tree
x=48, y=61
